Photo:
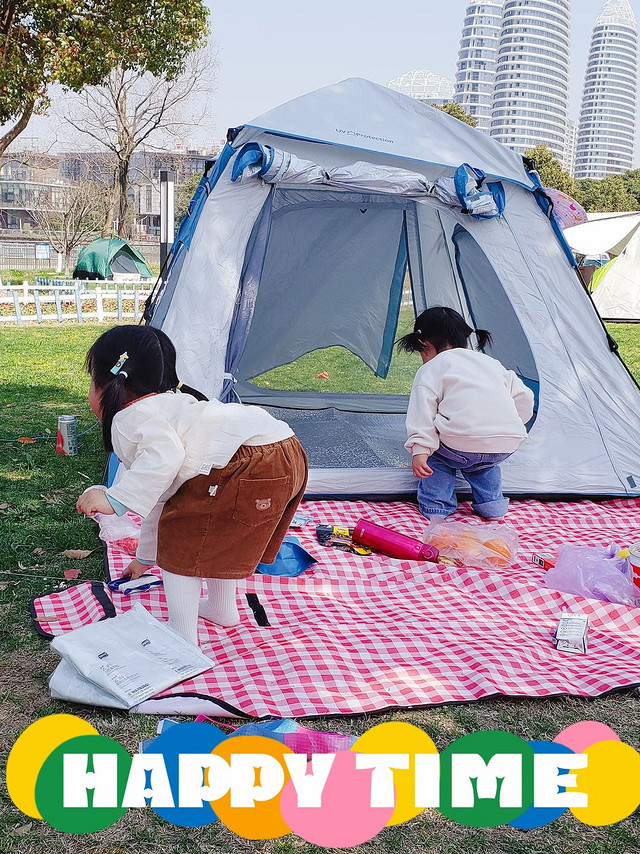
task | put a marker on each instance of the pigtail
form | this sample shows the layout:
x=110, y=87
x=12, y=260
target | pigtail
x=113, y=399
x=485, y=338
x=411, y=343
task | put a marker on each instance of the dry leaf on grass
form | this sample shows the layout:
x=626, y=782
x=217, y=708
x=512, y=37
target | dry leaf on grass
x=323, y=376
x=72, y=574
x=21, y=830
x=37, y=552
x=77, y=554
x=4, y=505
x=25, y=440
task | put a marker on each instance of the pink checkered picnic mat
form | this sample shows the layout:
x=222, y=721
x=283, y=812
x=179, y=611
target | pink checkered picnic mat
x=360, y=634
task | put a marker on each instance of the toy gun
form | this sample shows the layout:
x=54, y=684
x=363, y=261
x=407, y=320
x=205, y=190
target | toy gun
x=341, y=538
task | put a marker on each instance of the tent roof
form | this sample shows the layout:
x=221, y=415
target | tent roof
x=359, y=114
x=609, y=232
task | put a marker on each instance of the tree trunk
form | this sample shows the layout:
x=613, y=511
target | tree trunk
x=16, y=130
x=67, y=263
x=122, y=189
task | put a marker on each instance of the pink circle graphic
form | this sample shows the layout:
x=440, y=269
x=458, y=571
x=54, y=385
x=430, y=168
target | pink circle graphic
x=346, y=817
x=578, y=737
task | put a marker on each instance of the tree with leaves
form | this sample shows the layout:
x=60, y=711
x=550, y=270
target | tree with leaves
x=134, y=108
x=550, y=170
x=184, y=194
x=68, y=215
x=78, y=42
x=608, y=194
x=457, y=112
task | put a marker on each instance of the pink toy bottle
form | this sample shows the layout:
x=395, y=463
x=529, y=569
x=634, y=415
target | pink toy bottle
x=392, y=543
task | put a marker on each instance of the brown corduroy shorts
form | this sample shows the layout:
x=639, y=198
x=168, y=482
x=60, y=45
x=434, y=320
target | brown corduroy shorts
x=223, y=524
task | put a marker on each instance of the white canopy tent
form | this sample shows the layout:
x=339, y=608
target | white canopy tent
x=301, y=237
x=617, y=296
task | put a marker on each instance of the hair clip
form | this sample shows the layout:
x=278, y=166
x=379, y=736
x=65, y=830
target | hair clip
x=116, y=368
x=124, y=374
x=418, y=332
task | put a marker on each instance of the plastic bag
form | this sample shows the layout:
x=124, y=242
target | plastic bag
x=484, y=546
x=131, y=657
x=594, y=572
x=121, y=531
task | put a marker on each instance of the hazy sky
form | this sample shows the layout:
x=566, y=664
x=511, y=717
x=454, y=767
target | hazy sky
x=271, y=52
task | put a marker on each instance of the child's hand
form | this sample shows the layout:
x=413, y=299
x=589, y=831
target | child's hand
x=420, y=467
x=94, y=501
x=135, y=570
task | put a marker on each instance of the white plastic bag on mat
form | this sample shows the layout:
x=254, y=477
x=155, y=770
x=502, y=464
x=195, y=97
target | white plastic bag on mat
x=132, y=656
x=121, y=531
x=65, y=683
x=484, y=546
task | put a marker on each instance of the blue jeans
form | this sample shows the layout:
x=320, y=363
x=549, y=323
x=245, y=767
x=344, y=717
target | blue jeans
x=437, y=494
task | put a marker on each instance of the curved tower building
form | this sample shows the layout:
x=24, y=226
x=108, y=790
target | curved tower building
x=477, y=60
x=606, y=133
x=531, y=92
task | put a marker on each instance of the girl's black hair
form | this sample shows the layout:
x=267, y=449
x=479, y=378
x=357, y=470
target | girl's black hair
x=170, y=381
x=150, y=368
x=442, y=327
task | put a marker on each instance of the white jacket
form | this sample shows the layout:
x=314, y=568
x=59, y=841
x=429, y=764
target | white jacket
x=468, y=401
x=166, y=439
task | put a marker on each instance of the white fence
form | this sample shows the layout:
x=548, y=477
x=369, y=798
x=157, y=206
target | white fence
x=71, y=299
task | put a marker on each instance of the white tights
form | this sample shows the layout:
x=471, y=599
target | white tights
x=183, y=602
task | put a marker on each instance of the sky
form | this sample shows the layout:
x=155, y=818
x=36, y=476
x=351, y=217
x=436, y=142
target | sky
x=271, y=53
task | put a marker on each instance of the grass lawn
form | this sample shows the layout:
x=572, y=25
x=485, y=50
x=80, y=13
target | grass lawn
x=41, y=377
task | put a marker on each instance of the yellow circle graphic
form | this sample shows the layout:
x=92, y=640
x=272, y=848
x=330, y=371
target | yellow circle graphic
x=611, y=782
x=398, y=737
x=30, y=751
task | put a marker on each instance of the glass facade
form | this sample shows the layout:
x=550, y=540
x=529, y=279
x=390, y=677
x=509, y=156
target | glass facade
x=531, y=93
x=606, y=133
x=477, y=60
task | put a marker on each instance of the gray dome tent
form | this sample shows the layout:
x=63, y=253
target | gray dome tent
x=300, y=238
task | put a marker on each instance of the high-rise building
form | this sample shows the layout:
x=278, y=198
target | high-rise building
x=531, y=91
x=570, y=149
x=477, y=60
x=606, y=133
x=424, y=86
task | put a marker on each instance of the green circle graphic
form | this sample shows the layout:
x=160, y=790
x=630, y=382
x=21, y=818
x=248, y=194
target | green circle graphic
x=486, y=811
x=50, y=786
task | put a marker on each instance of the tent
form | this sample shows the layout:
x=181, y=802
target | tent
x=108, y=258
x=617, y=287
x=300, y=238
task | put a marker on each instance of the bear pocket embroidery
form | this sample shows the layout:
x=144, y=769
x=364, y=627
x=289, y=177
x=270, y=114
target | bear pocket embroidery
x=263, y=503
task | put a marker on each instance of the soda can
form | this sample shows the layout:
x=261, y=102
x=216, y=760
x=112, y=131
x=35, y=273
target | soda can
x=67, y=438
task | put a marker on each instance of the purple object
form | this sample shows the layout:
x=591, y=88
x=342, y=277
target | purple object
x=392, y=543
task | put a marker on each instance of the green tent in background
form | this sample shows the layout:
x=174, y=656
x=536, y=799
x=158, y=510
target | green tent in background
x=105, y=257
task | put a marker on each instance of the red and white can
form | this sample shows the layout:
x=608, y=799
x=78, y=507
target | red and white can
x=67, y=438
x=634, y=562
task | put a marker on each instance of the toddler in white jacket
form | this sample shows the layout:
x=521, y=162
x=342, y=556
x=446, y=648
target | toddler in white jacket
x=466, y=414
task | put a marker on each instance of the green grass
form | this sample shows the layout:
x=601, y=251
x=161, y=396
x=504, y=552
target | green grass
x=41, y=377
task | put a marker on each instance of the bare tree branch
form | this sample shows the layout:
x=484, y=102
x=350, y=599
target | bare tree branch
x=132, y=109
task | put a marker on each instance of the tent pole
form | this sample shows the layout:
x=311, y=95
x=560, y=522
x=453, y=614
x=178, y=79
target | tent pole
x=167, y=210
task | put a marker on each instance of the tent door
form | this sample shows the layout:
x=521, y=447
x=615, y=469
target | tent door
x=323, y=268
